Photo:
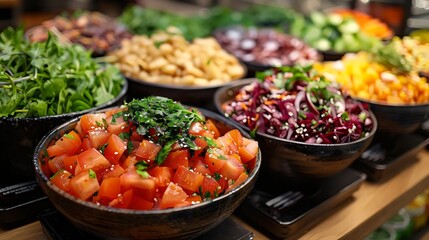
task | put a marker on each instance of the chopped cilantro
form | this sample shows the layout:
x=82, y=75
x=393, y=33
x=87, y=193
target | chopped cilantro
x=92, y=174
x=124, y=135
x=103, y=148
x=144, y=174
x=216, y=176
x=69, y=136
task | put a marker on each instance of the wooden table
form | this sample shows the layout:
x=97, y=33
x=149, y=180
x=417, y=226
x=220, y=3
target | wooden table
x=371, y=205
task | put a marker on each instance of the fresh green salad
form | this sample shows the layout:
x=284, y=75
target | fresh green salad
x=146, y=21
x=331, y=32
x=51, y=78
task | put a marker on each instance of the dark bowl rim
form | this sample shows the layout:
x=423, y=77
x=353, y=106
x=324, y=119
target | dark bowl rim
x=254, y=64
x=118, y=97
x=247, y=81
x=45, y=179
x=387, y=105
x=188, y=87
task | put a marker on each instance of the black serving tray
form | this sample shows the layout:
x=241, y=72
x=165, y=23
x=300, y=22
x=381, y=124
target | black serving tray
x=20, y=203
x=390, y=153
x=303, y=207
x=56, y=227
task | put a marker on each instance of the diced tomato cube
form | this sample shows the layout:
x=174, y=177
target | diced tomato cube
x=188, y=179
x=86, y=144
x=110, y=188
x=115, y=148
x=163, y=175
x=249, y=150
x=202, y=144
x=200, y=166
x=211, y=126
x=131, y=179
x=61, y=179
x=173, y=195
x=54, y=150
x=199, y=129
x=57, y=163
x=243, y=177
x=140, y=203
x=215, y=159
x=148, y=150
x=70, y=163
x=177, y=158
x=98, y=137
x=69, y=142
x=92, y=121
x=231, y=169
x=118, y=126
x=123, y=200
x=92, y=159
x=84, y=185
x=235, y=136
x=113, y=171
x=210, y=187
x=226, y=143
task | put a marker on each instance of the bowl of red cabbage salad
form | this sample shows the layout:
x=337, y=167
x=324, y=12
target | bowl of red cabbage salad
x=296, y=103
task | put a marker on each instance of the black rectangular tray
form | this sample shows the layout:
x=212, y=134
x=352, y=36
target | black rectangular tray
x=306, y=206
x=389, y=154
x=56, y=227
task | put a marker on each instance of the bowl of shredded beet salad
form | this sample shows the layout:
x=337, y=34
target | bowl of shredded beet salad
x=306, y=126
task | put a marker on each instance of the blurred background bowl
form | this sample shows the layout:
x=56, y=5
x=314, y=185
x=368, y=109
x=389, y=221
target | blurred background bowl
x=20, y=137
x=298, y=160
x=398, y=119
x=263, y=48
x=114, y=223
x=200, y=96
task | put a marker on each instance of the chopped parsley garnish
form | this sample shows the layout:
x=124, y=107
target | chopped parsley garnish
x=169, y=119
x=216, y=176
x=130, y=146
x=92, y=174
x=124, y=135
x=103, y=148
x=141, y=168
x=69, y=136
x=210, y=142
x=99, y=124
x=207, y=195
x=141, y=165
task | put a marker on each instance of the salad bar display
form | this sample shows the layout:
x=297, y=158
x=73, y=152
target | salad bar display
x=129, y=127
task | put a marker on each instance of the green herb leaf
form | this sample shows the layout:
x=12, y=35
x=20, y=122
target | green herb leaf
x=169, y=119
x=142, y=173
x=92, y=174
x=141, y=165
x=124, y=136
x=103, y=148
x=216, y=176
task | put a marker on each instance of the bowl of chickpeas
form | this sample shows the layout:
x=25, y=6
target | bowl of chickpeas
x=166, y=64
x=400, y=101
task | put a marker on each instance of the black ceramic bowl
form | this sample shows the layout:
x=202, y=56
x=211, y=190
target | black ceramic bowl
x=299, y=160
x=114, y=223
x=19, y=137
x=399, y=119
x=200, y=96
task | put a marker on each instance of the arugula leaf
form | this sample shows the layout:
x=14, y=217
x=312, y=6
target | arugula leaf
x=48, y=78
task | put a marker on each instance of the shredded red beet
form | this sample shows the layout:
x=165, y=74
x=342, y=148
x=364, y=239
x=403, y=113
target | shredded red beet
x=297, y=104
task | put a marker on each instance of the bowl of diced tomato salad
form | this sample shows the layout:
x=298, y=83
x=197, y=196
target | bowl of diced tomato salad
x=149, y=169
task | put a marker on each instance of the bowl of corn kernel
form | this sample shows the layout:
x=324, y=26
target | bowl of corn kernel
x=396, y=93
x=166, y=64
